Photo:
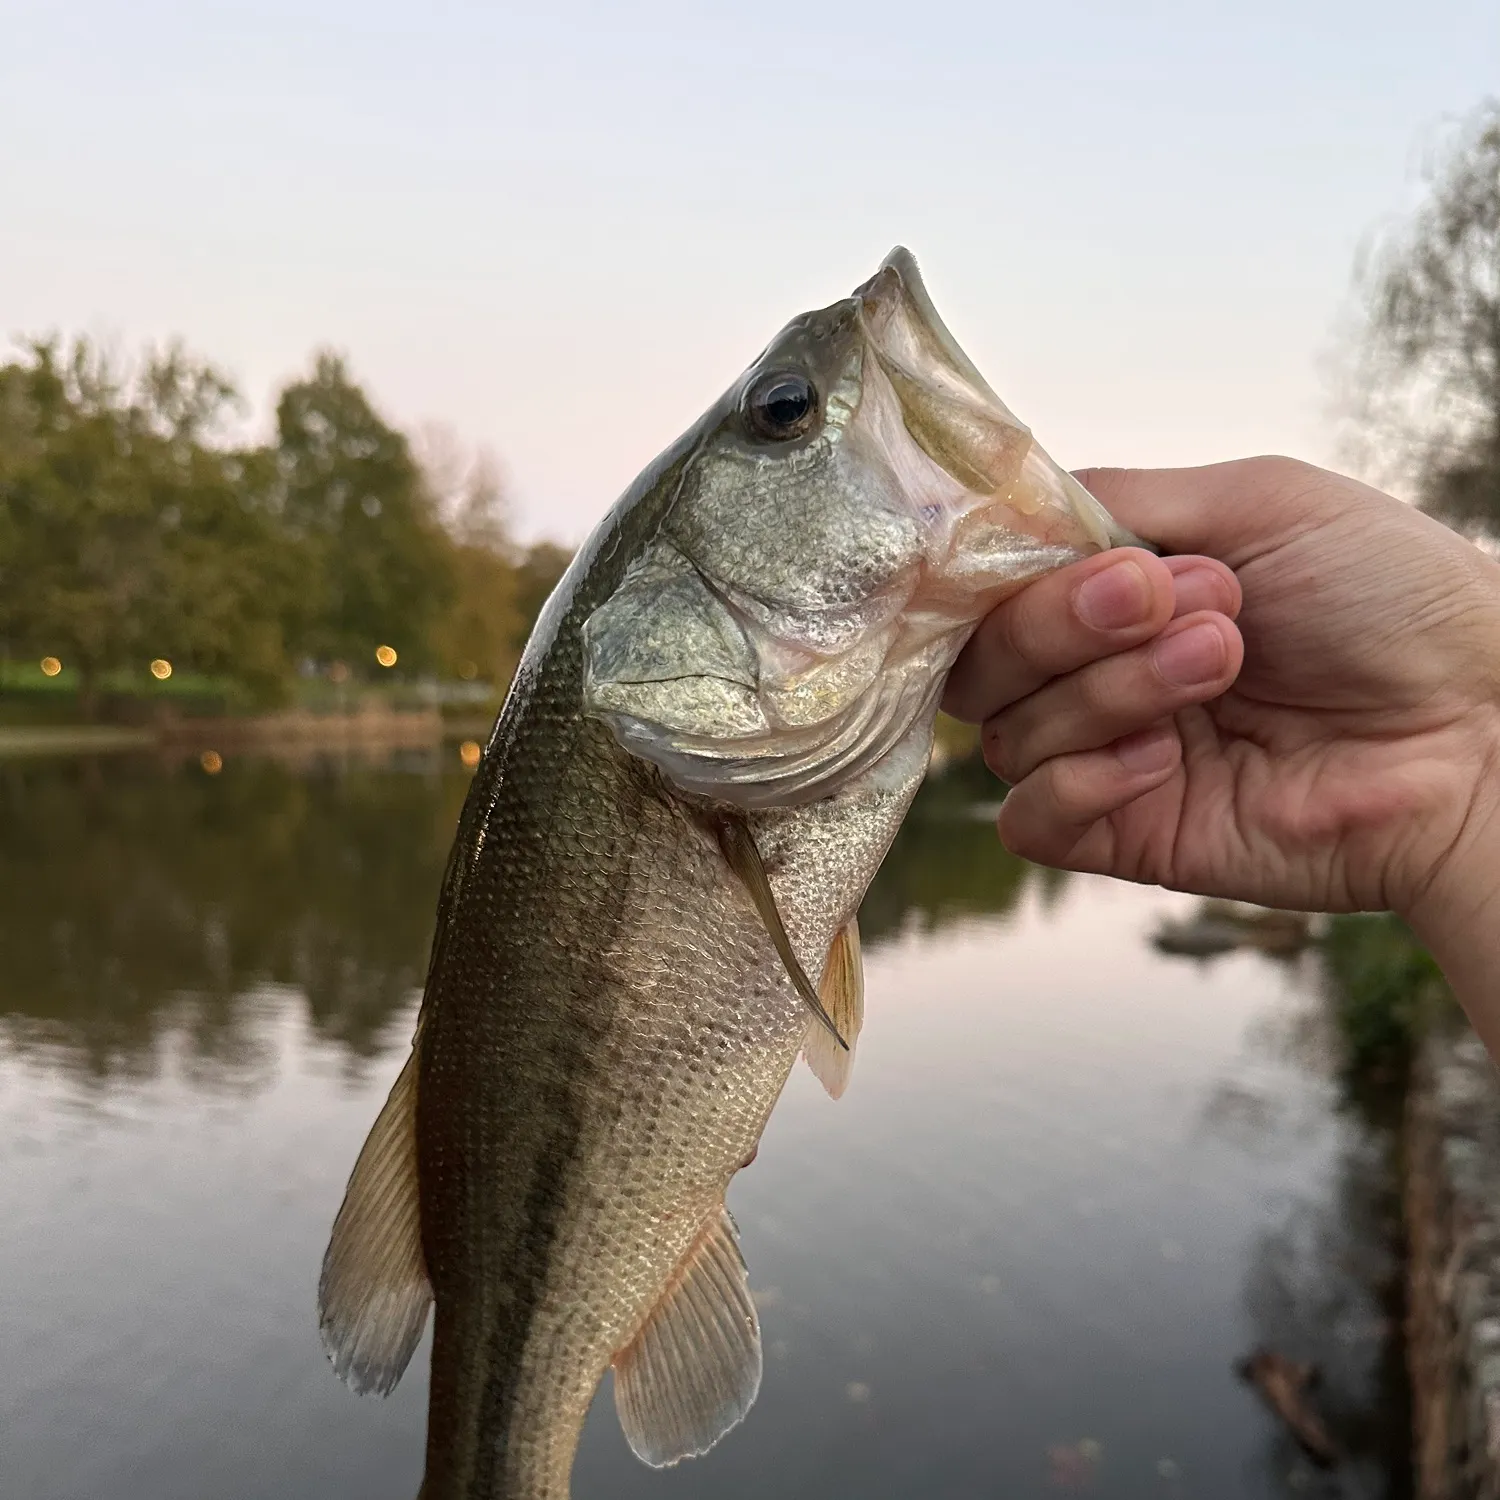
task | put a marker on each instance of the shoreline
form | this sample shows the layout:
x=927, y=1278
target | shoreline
x=294, y=730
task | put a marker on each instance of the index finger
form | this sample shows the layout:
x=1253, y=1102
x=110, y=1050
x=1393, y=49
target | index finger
x=1095, y=608
x=1089, y=609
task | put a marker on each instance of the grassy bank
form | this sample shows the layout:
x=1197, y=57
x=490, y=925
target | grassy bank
x=31, y=699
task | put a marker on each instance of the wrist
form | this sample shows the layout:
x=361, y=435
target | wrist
x=1453, y=855
x=1456, y=911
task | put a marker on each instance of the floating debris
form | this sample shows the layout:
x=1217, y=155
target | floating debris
x=1284, y=1384
x=1224, y=926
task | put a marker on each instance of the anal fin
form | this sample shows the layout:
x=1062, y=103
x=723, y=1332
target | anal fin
x=842, y=991
x=693, y=1370
x=373, y=1294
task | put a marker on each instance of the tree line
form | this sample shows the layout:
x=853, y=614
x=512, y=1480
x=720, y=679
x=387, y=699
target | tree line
x=133, y=527
x=1427, y=352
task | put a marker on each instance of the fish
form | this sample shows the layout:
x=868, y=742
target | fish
x=650, y=909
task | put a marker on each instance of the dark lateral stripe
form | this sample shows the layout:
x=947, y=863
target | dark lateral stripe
x=516, y=1018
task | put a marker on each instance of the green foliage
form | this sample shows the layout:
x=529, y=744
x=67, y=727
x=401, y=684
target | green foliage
x=537, y=574
x=352, y=494
x=1384, y=986
x=1430, y=355
x=132, y=527
x=124, y=535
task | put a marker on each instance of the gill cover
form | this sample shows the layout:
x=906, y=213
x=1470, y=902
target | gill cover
x=819, y=569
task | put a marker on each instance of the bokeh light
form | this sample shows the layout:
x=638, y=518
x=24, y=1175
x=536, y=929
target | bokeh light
x=469, y=753
x=212, y=762
x=338, y=671
x=51, y=666
x=161, y=669
x=386, y=655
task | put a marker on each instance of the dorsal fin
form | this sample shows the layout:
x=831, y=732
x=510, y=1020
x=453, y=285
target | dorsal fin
x=374, y=1294
x=842, y=991
x=693, y=1370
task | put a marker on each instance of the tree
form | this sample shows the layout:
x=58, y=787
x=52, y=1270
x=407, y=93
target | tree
x=352, y=491
x=540, y=568
x=1429, y=373
x=476, y=638
x=124, y=533
x=133, y=526
x=499, y=587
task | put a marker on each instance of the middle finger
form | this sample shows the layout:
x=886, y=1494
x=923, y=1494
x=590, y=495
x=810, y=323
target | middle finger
x=1196, y=658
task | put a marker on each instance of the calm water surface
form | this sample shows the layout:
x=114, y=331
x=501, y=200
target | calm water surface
x=1071, y=1183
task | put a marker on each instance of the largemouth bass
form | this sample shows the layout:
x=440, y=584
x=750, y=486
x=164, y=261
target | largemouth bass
x=717, y=727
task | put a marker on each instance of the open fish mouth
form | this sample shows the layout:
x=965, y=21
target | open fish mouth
x=952, y=413
x=855, y=505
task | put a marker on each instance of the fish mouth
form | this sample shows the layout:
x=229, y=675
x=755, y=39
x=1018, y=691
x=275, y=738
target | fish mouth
x=898, y=286
x=947, y=406
x=951, y=412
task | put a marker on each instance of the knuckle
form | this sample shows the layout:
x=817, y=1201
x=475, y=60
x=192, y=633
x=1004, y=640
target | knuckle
x=1068, y=789
x=1100, y=480
x=1018, y=830
x=1020, y=631
x=1065, y=789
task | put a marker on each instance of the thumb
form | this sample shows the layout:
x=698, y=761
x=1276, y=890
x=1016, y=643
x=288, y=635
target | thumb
x=1231, y=511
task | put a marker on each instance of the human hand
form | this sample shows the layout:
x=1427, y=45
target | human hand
x=1318, y=728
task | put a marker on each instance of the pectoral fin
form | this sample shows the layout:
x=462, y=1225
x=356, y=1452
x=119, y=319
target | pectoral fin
x=374, y=1294
x=843, y=993
x=693, y=1370
x=738, y=844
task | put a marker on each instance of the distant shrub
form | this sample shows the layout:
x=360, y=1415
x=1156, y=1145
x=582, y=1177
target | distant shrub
x=1385, y=987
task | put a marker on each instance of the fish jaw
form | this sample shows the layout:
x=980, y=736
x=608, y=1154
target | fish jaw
x=957, y=420
x=801, y=606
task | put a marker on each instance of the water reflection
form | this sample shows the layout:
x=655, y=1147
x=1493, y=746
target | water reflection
x=140, y=897
x=1072, y=1182
x=947, y=864
x=137, y=900
x=1324, y=1283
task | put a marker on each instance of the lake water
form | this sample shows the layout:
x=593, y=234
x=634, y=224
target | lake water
x=1071, y=1183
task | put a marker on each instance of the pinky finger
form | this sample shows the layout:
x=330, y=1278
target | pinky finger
x=1056, y=815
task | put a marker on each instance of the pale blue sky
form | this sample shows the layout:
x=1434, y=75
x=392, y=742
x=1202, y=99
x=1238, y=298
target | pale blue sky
x=563, y=228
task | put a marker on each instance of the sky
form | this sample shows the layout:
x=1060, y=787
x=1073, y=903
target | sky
x=562, y=229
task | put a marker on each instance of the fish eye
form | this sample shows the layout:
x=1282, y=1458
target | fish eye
x=781, y=405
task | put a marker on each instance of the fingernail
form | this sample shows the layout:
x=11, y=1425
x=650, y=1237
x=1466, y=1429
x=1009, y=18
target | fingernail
x=1150, y=750
x=1199, y=588
x=1191, y=656
x=1115, y=598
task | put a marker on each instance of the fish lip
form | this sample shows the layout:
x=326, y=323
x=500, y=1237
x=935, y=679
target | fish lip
x=948, y=408
x=899, y=279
